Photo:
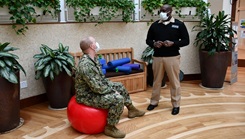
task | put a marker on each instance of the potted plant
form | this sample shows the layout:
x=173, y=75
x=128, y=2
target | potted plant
x=55, y=67
x=107, y=10
x=9, y=88
x=214, y=40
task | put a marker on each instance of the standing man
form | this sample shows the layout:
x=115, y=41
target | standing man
x=166, y=36
x=93, y=89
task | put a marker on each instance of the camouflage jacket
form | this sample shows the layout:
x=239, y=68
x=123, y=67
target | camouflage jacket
x=89, y=80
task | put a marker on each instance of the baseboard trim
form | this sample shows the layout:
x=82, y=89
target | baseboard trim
x=33, y=100
x=241, y=62
x=190, y=77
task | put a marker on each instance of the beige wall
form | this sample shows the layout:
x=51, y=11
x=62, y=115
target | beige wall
x=219, y=5
x=109, y=35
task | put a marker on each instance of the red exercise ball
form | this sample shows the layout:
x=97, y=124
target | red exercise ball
x=86, y=119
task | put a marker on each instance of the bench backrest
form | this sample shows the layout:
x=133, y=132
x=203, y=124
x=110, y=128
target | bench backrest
x=109, y=54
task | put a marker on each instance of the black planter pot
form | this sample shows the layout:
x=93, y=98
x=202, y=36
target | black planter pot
x=59, y=91
x=9, y=105
x=73, y=90
x=213, y=68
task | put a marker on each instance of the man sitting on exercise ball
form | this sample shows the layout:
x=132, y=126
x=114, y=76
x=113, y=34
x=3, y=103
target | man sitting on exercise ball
x=93, y=89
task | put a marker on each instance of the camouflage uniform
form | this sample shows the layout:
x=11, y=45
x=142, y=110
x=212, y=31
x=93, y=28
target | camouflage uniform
x=93, y=89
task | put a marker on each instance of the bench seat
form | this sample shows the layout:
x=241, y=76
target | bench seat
x=135, y=81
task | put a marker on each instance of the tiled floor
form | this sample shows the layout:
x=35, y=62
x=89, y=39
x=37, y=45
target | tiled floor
x=205, y=114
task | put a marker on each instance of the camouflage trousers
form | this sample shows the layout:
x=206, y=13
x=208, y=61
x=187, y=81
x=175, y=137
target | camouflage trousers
x=114, y=102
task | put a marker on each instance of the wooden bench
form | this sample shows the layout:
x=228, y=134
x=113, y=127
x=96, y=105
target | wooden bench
x=134, y=82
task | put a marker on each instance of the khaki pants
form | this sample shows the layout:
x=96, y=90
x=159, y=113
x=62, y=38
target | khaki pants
x=172, y=67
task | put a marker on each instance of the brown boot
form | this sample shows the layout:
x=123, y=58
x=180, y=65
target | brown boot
x=112, y=131
x=133, y=112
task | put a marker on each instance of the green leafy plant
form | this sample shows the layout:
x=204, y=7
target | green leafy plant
x=8, y=63
x=2, y=3
x=23, y=12
x=214, y=32
x=108, y=9
x=51, y=62
x=51, y=7
x=147, y=55
x=151, y=5
x=200, y=5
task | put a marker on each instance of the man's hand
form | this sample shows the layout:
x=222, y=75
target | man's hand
x=168, y=43
x=158, y=44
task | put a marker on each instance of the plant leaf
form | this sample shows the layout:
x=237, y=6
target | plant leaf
x=5, y=73
x=13, y=78
x=47, y=70
x=69, y=72
x=9, y=48
x=38, y=74
x=2, y=63
x=36, y=56
x=51, y=75
x=3, y=46
x=61, y=47
x=4, y=54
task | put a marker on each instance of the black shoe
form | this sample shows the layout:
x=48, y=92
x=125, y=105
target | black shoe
x=175, y=111
x=151, y=107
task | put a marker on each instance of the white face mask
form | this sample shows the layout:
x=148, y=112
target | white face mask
x=97, y=47
x=163, y=16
